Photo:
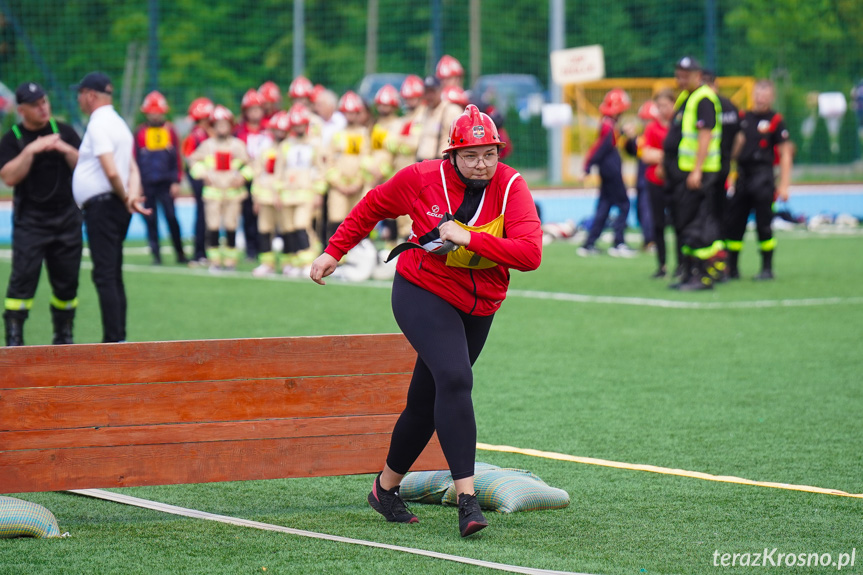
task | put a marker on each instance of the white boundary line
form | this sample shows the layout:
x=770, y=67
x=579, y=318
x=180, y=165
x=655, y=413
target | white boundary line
x=182, y=511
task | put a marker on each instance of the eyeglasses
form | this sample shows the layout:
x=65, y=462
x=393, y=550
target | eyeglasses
x=472, y=160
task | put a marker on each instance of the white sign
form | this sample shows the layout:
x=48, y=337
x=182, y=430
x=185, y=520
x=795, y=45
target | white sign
x=556, y=115
x=578, y=65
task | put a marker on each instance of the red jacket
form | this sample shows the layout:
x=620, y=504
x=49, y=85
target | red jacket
x=417, y=191
x=654, y=135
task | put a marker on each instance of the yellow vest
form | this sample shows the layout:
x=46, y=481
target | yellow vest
x=463, y=257
x=689, y=138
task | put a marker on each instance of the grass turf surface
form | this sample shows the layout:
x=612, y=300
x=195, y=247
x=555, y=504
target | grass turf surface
x=768, y=393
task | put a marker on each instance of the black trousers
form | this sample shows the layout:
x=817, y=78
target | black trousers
x=250, y=225
x=156, y=195
x=754, y=191
x=53, y=237
x=660, y=208
x=200, y=220
x=695, y=211
x=447, y=342
x=107, y=222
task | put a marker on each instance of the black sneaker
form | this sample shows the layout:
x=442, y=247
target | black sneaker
x=390, y=504
x=764, y=275
x=470, y=517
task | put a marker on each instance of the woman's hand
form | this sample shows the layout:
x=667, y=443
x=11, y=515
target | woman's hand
x=324, y=265
x=455, y=233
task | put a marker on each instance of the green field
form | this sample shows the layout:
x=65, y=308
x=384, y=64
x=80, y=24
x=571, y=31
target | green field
x=755, y=380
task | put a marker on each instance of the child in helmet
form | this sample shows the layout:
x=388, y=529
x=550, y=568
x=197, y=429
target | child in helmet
x=302, y=188
x=199, y=112
x=612, y=191
x=223, y=164
x=345, y=159
x=157, y=151
x=265, y=194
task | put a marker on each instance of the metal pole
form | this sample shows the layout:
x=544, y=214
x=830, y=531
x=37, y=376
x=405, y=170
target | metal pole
x=153, y=47
x=710, y=34
x=372, y=37
x=556, y=41
x=299, y=38
x=437, y=32
x=475, y=41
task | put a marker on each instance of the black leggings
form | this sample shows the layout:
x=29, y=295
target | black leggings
x=448, y=342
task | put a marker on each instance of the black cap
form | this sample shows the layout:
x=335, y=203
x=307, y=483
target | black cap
x=95, y=81
x=688, y=63
x=431, y=83
x=29, y=92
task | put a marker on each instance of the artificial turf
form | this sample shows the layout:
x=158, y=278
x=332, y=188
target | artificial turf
x=750, y=386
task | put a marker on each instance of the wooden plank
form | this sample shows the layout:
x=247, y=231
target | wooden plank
x=195, y=432
x=62, y=469
x=96, y=364
x=203, y=401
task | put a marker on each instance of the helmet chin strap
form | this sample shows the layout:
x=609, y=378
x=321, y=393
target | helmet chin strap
x=472, y=186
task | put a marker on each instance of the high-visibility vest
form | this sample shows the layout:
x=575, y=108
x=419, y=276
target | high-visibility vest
x=689, y=138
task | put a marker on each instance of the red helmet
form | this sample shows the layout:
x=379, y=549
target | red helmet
x=473, y=128
x=615, y=102
x=270, y=92
x=280, y=121
x=252, y=98
x=221, y=113
x=448, y=67
x=455, y=95
x=154, y=103
x=648, y=111
x=301, y=87
x=316, y=91
x=200, y=108
x=299, y=115
x=412, y=87
x=351, y=102
x=387, y=96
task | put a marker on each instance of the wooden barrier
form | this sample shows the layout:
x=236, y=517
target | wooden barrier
x=157, y=413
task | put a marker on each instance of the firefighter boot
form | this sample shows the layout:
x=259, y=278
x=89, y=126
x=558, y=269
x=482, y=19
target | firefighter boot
x=62, y=319
x=685, y=266
x=732, y=271
x=14, y=330
x=700, y=278
x=766, y=266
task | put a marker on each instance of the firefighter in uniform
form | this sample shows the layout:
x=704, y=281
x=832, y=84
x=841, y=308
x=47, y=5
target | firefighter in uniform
x=299, y=171
x=223, y=164
x=265, y=193
x=450, y=72
x=439, y=116
x=199, y=112
x=252, y=131
x=692, y=163
x=762, y=133
x=407, y=139
x=730, y=127
x=344, y=162
x=157, y=151
x=37, y=158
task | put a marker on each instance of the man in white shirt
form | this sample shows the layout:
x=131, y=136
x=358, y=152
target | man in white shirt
x=107, y=186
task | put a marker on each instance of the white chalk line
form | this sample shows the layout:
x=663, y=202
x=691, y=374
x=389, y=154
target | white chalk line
x=185, y=512
x=513, y=293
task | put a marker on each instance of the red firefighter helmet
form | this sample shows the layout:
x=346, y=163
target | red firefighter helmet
x=299, y=115
x=455, y=95
x=280, y=121
x=448, y=67
x=473, y=128
x=387, y=96
x=412, y=87
x=270, y=92
x=301, y=87
x=154, y=103
x=615, y=102
x=648, y=111
x=221, y=113
x=200, y=109
x=252, y=98
x=316, y=91
x=351, y=102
